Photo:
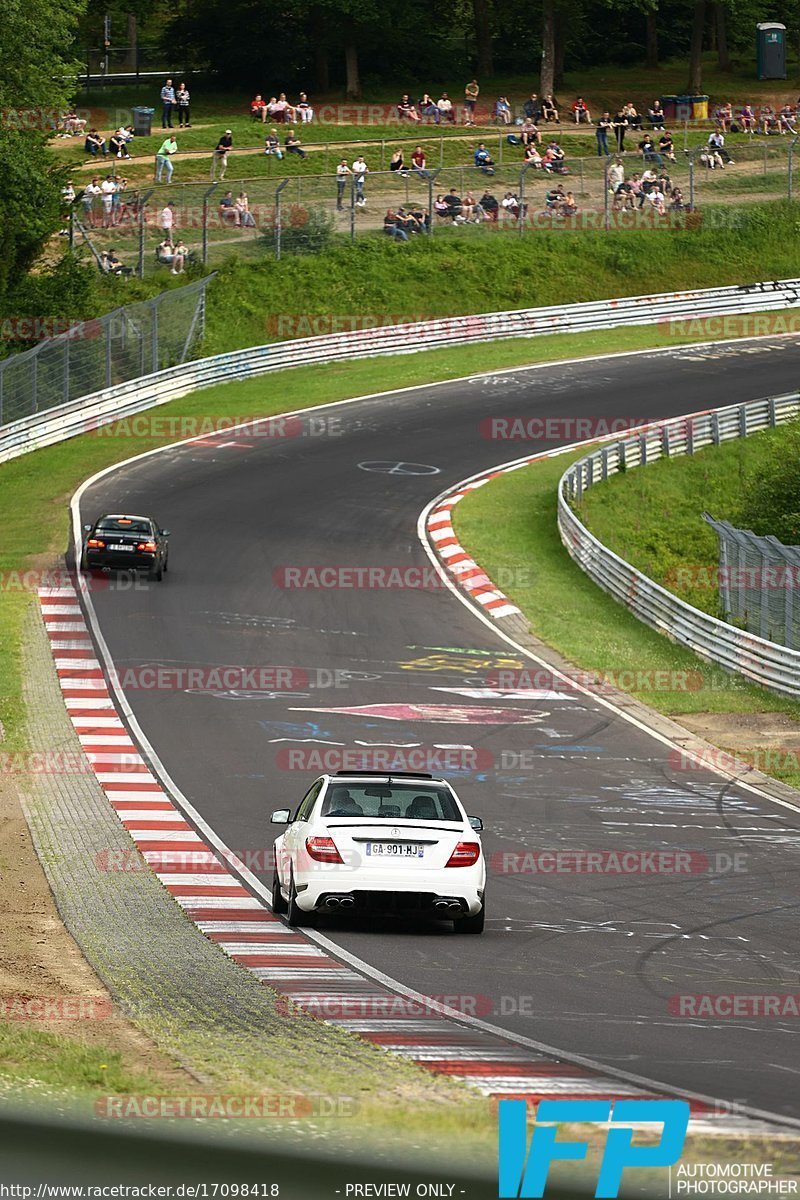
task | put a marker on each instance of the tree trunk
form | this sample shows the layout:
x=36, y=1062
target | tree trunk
x=723, y=56
x=696, y=52
x=322, y=72
x=546, y=82
x=483, y=38
x=353, y=88
x=130, y=57
x=651, y=39
x=558, y=69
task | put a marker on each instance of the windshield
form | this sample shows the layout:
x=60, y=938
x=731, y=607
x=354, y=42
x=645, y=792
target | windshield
x=122, y=525
x=390, y=801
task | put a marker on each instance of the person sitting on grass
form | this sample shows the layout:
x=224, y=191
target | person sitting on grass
x=440, y=207
x=570, y=205
x=676, y=202
x=716, y=142
x=391, y=226
x=258, y=107
x=472, y=207
x=533, y=158
x=445, y=107
x=419, y=162
x=95, y=143
x=397, y=163
x=723, y=116
x=410, y=221
x=554, y=199
x=242, y=206
x=510, y=206
x=767, y=119
x=786, y=120
x=502, y=110
x=179, y=261
x=553, y=161
x=747, y=118
x=489, y=205
x=634, y=119
x=165, y=253
x=655, y=115
x=429, y=108
x=666, y=146
x=549, y=109
x=304, y=110
x=529, y=133
x=118, y=142
x=406, y=110
x=454, y=205
x=112, y=264
x=483, y=160
x=228, y=214
x=272, y=145
x=656, y=200
x=292, y=144
x=72, y=124
x=580, y=111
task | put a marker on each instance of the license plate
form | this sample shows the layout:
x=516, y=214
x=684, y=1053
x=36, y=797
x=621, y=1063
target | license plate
x=124, y=548
x=394, y=850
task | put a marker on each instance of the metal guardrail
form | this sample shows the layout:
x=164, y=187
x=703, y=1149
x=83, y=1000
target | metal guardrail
x=772, y=666
x=112, y=403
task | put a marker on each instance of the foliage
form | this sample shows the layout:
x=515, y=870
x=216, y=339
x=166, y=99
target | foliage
x=771, y=500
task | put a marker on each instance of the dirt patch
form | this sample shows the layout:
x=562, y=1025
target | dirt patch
x=39, y=959
x=745, y=732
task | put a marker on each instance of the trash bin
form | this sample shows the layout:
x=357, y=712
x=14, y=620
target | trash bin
x=669, y=103
x=771, y=50
x=699, y=108
x=683, y=108
x=142, y=118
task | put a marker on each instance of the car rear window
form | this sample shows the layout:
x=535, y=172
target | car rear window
x=123, y=527
x=381, y=801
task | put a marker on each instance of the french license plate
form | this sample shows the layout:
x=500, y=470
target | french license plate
x=124, y=548
x=394, y=850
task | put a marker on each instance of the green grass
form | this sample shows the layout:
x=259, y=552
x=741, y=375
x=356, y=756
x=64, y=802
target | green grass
x=513, y=520
x=52, y=1058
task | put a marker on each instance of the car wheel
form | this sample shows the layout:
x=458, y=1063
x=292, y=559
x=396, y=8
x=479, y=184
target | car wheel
x=471, y=924
x=279, y=905
x=166, y=563
x=295, y=914
x=157, y=573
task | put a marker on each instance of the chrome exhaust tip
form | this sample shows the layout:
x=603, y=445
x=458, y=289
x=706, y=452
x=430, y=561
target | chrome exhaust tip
x=332, y=902
x=347, y=902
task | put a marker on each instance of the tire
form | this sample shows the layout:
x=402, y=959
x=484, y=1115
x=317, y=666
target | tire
x=157, y=573
x=471, y=924
x=166, y=563
x=279, y=905
x=295, y=915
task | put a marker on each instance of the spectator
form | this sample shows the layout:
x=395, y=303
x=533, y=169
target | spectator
x=165, y=253
x=601, y=134
x=183, y=101
x=406, y=110
x=67, y=201
x=179, y=259
x=748, y=118
x=529, y=132
x=304, y=109
x=786, y=120
x=676, y=200
x=167, y=102
x=108, y=188
x=580, y=111
x=549, y=109
x=483, y=160
x=453, y=202
x=647, y=182
x=258, y=108
x=616, y=174
x=118, y=142
x=767, y=119
x=488, y=203
x=471, y=93
x=272, y=145
x=532, y=109
x=72, y=124
x=666, y=146
x=472, y=209
x=569, y=206
x=360, y=172
x=533, y=158
x=289, y=109
x=510, y=206
x=292, y=144
x=112, y=264
x=502, y=110
x=711, y=158
x=664, y=181
x=397, y=163
x=620, y=126
x=277, y=109
x=445, y=107
x=228, y=213
x=723, y=117
x=554, y=199
x=624, y=196
x=95, y=142
x=87, y=200
x=242, y=206
x=440, y=207
x=553, y=160
x=634, y=120
x=391, y=226
x=163, y=158
x=342, y=171
x=716, y=142
x=429, y=108
x=166, y=220
x=648, y=151
x=219, y=157
x=419, y=162
x=655, y=115
x=656, y=199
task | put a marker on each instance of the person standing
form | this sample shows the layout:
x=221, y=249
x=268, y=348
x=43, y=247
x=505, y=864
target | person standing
x=168, y=147
x=167, y=104
x=166, y=220
x=342, y=171
x=471, y=93
x=601, y=133
x=360, y=172
x=619, y=125
x=220, y=156
x=183, y=99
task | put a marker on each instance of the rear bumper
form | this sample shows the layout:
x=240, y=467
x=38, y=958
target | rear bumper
x=403, y=892
x=102, y=560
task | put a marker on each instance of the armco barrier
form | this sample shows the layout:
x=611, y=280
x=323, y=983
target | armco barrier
x=767, y=663
x=123, y=400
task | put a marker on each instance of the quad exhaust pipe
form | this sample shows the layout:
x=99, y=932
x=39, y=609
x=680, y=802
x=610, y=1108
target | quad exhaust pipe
x=340, y=902
x=447, y=906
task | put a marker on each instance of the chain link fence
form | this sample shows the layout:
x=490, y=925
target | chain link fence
x=757, y=581
x=91, y=355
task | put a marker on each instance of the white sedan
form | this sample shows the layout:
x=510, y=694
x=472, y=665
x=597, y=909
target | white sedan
x=362, y=841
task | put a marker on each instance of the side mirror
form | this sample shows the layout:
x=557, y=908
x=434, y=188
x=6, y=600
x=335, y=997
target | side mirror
x=476, y=823
x=165, y=533
x=88, y=528
x=281, y=817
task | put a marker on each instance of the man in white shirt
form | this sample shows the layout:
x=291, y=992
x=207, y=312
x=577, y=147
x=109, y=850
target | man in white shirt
x=616, y=175
x=166, y=220
x=304, y=109
x=107, y=189
x=360, y=172
x=87, y=200
x=342, y=171
x=445, y=107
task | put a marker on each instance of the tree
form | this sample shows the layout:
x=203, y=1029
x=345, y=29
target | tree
x=696, y=48
x=548, y=73
x=483, y=37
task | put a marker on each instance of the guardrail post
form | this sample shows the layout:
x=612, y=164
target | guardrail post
x=772, y=412
x=690, y=437
x=715, y=428
x=743, y=420
x=278, y=191
x=621, y=462
x=643, y=449
x=431, y=180
x=65, y=381
x=604, y=460
x=764, y=622
x=665, y=448
x=154, y=332
x=142, y=206
x=788, y=605
x=107, y=324
x=206, y=196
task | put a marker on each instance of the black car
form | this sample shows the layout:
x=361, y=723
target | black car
x=126, y=543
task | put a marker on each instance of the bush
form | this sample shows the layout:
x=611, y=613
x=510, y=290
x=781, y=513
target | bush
x=771, y=495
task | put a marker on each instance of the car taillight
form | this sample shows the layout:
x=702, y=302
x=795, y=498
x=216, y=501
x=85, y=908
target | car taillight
x=323, y=849
x=95, y=544
x=146, y=546
x=464, y=855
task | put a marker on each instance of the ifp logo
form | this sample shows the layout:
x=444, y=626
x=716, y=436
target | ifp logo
x=523, y=1174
